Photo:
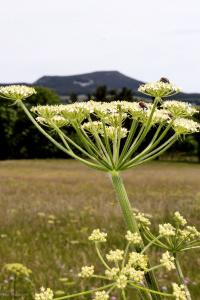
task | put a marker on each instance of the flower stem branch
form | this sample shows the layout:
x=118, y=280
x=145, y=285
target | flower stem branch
x=181, y=277
x=85, y=292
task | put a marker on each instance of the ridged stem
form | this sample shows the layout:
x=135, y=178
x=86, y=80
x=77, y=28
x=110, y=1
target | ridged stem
x=131, y=222
x=181, y=277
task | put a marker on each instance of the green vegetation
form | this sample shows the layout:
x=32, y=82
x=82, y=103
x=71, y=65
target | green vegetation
x=19, y=138
x=48, y=209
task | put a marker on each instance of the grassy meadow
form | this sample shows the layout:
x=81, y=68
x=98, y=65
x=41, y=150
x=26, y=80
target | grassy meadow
x=49, y=207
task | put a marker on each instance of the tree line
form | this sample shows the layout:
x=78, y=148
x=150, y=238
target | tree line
x=19, y=139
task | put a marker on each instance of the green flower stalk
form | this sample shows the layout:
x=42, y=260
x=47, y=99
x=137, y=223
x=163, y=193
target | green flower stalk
x=112, y=136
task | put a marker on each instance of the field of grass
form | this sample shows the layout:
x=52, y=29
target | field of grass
x=49, y=207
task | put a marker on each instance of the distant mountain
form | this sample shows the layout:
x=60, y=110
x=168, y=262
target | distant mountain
x=84, y=84
x=87, y=83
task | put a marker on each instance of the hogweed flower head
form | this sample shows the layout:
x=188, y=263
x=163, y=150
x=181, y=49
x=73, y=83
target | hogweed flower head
x=133, y=238
x=179, y=219
x=101, y=296
x=121, y=281
x=115, y=255
x=98, y=236
x=45, y=294
x=55, y=121
x=17, y=92
x=159, y=89
x=86, y=272
x=135, y=275
x=167, y=261
x=142, y=219
x=184, y=126
x=138, y=260
x=179, y=292
x=112, y=273
x=166, y=230
x=17, y=270
x=179, y=109
x=176, y=237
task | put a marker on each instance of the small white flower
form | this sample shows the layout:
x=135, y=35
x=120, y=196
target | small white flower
x=179, y=292
x=166, y=230
x=134, y=238
x=112, y=273
x=185, y=126
x=142, y=219
x=115, y=255
x=17, y=92
x=98, y=236
x=179, y=219
x=57, y=121
x=179, y=109
x=121, y=281
x=133, y=274
x=45, y=111
x=113, y=132
x=45, y=294
x=159, y=89
x=138, y=260
x=189, y=233
x=86, y=272
x=101, y=296
x=95, y=126
x=167, y=261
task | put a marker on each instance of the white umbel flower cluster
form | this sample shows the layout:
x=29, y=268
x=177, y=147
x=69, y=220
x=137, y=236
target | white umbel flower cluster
x=142, y=219
x=96, y=127
x=86, y=272
x=115, y=255
x=159, y=89
x=115, y=132
x=45, y=294
x=121, y=281
x=98, y=236
x=189, y=233
x=185, y=126
x=55, y=121
x=135, y=275
x=17, y=92
x=166, y=230
x=178, y=236
x=138, y=261
x=134, y=238
x=167, y=261
x=179, y=292
x=179, y=219
x=112, y=273
x=101, y=296
x=179, y=109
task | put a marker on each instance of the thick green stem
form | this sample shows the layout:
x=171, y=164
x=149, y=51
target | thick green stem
x=131, y=222
x=126, y=208
x=181, y=277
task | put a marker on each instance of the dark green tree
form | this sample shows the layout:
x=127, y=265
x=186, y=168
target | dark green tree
x=101, y=93
x=72, y=98
x=125, y=94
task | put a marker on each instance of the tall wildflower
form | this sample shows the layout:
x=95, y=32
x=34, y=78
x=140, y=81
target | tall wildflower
x=105, y=142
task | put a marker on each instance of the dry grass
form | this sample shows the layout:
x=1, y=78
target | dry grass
x=80, y=199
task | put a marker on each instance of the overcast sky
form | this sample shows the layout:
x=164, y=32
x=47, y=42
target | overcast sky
x=144, y=39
